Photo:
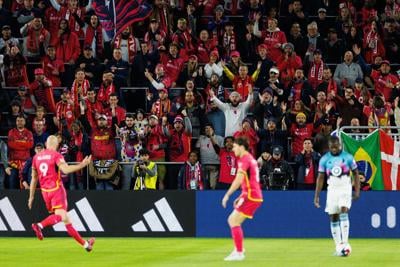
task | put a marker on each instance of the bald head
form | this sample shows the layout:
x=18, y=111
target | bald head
x=52, y=142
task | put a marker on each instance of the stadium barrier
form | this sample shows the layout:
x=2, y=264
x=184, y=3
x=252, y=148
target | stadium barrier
x=284, y=214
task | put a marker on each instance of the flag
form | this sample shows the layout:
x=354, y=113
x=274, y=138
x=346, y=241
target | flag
x=116, y=15
x=390, y=160
x=367, y=154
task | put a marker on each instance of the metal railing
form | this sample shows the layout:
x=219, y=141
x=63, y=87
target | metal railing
x=361, y=132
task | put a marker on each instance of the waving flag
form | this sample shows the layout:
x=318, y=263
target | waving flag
x=390, y=157
x=367, y=154
x=116, y=15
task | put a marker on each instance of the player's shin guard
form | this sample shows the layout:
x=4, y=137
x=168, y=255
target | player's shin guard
x=50, y=220
x=344, y=227
x=73, y=233
x=335, y=230
x=237, y=235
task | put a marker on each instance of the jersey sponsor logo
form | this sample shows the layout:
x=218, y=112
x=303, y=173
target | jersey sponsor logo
x=10, y=216
x=88, y=215
x=390, y=218
x=336, y=171
x=152, y=219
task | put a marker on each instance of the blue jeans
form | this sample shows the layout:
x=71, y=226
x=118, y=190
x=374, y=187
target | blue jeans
x=104, y=185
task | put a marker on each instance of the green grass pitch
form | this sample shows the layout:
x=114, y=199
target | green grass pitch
x=194, y=252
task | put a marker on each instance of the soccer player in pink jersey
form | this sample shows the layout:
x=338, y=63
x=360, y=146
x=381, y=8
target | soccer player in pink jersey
x=44, y=166
x=248, y=178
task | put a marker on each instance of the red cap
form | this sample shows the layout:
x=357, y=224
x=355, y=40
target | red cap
x=178, y=119
x=163, y=90
x=385, y=62
x=194, y=57
x=235, y=54
x=262, y=46
x=39, y=71
x=214, y=53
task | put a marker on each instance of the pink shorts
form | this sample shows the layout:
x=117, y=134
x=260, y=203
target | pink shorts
x=247, y=207
x=56, y=199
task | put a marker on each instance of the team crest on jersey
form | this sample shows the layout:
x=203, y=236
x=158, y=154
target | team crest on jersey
x=336, y=171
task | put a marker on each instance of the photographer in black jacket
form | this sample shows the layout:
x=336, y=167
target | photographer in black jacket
x=276, y=173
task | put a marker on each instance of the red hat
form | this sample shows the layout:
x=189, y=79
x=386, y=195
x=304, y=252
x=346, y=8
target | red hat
x=235, y=54
x=262, y=46
x=39, y=71
x=194, y=57
x=178, y=119
x=385, y=62
x=163, y=90
x=214, y=53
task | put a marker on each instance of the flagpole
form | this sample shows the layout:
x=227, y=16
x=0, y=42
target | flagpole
x=115, y=20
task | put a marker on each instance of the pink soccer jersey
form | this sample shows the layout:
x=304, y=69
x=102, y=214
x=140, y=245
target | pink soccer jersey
x=45, y=164
x=251, y=183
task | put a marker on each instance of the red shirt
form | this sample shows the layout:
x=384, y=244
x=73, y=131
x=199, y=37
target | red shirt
x=173, y=66
x=104, y=93
x=19, y=144
x=45, y=164
x=120, y=113
x=49, y=66
x=65, y=111
x=156, y=138
x=179, y=145
x=298, y=136
x=52, y=23
x=380, y=84
x=271, y=39
x=251, y=183
x=242, y=86
x=228, y=166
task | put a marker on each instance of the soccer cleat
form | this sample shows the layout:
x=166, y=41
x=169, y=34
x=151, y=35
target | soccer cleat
x=90, y=244
x=235, y=256
x=37, y=231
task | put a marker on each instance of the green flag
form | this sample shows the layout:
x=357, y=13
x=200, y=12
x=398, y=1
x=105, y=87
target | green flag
x=367, y=154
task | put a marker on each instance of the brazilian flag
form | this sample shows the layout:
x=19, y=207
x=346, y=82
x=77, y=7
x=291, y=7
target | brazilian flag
x=367, y=154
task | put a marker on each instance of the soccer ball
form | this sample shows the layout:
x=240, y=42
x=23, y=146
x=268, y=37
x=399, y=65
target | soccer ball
x=343, y=250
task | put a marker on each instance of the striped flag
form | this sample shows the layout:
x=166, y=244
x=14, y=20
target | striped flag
x=116, y=15
x=390, y=158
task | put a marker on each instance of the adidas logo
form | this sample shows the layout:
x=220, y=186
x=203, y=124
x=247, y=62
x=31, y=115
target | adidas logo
x=10, y=216
x=153, y=221
x=88, y=216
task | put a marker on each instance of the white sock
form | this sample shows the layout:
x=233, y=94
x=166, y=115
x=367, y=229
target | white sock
x=40, y=225
x=335, y=230
x=86, y=244
x=344, y=227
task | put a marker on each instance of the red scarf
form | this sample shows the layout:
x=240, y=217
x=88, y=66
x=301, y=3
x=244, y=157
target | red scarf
x=161, y=108
x=131, y=46
x=98, y=35
x=32, y=41
x=193, y=176
x=372, y=37
x=320, y=70
x=78, y=92
x=242, y=86
x=332, y=87
x=68, y=16
x=229, y=44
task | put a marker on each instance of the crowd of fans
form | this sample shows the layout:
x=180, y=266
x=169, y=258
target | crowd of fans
x=284, y=74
